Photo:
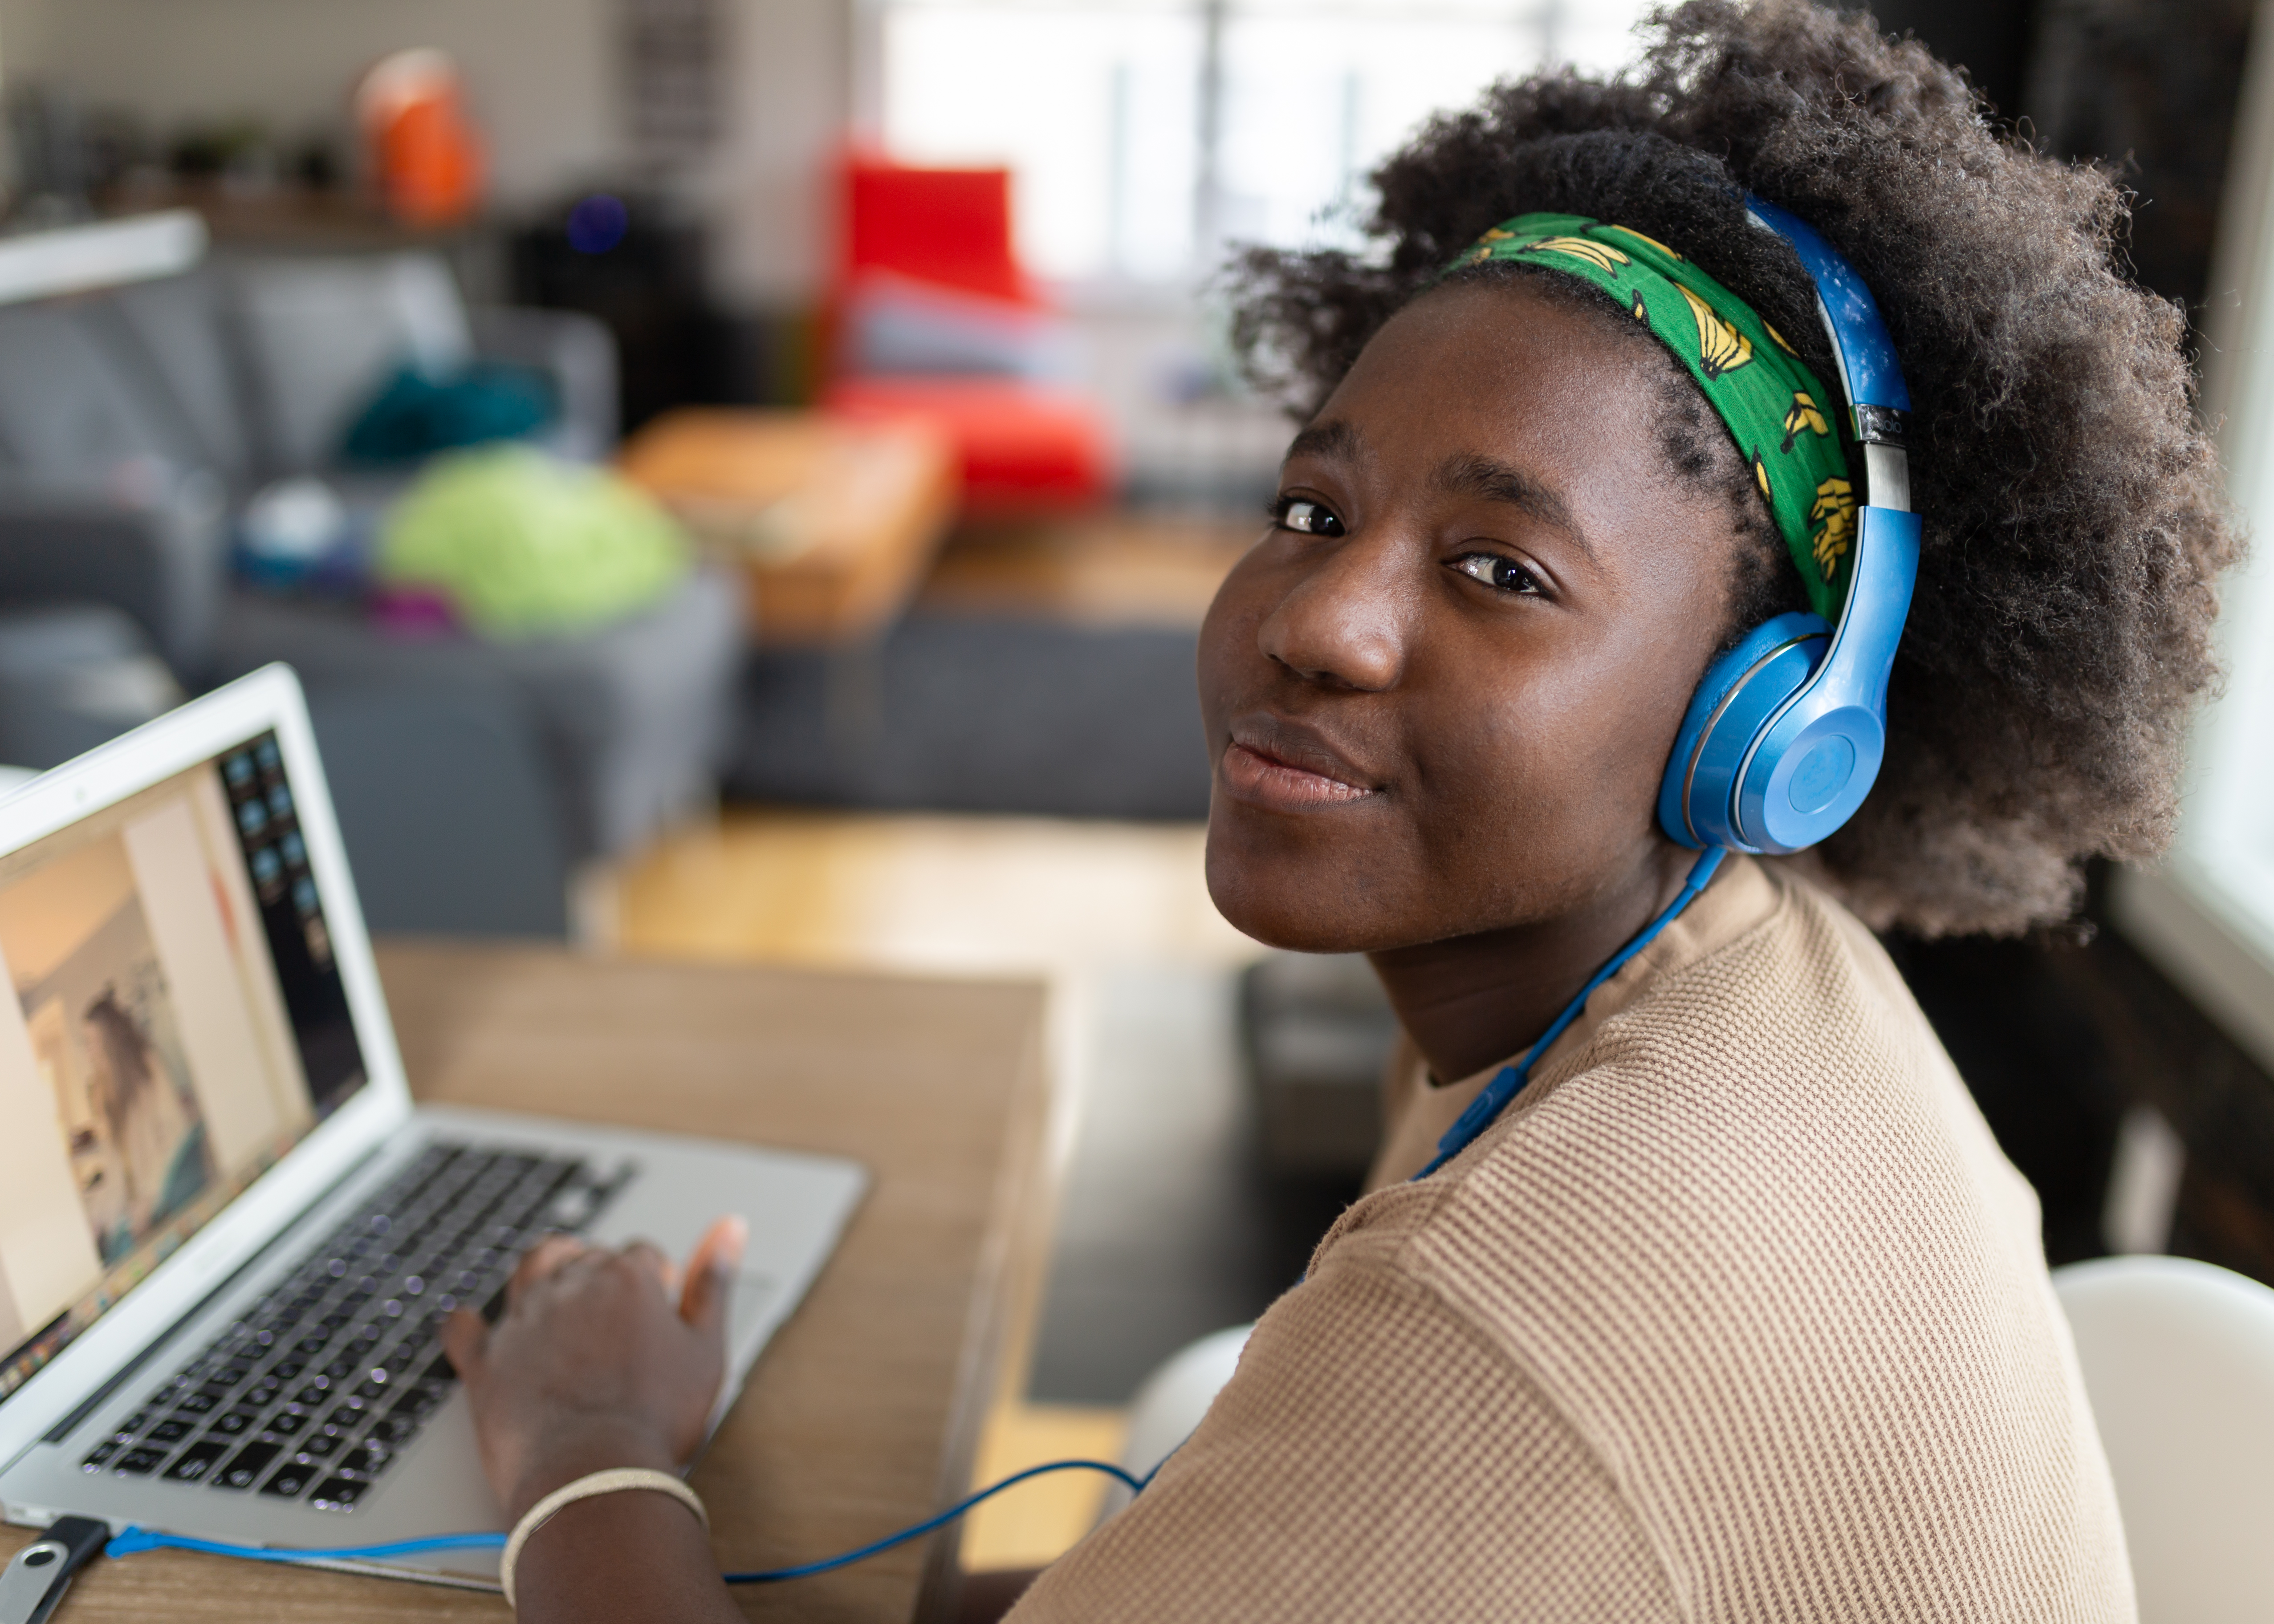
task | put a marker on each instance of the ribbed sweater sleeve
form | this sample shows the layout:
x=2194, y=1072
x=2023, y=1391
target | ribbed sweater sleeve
x=1736, y=1315
x=1409, y=1507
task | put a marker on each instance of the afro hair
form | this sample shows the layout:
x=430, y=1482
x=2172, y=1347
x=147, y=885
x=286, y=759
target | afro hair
x=2061, y=628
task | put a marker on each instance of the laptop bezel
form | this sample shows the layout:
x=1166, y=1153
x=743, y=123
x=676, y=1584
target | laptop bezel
x=269, y=699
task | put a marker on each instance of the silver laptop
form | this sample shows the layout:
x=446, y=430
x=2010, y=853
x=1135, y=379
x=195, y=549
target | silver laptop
x=227, y=1237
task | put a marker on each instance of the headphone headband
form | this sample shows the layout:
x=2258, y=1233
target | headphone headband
x=1785, y=735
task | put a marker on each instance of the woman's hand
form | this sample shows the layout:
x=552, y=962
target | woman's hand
x=601, y=1359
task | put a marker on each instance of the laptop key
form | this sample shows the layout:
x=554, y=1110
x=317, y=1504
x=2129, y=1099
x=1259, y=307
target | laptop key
x=102, y=1453
x=371, y=1293
x=368, y=1461
x=338, y=1494
x=192, y=1464
x=244, y=1470
x=395, y=1431
x=289, y=1478
x=419, y=1403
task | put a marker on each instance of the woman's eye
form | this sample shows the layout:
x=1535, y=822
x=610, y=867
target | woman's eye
x=1502, y=574
x=1307, y=517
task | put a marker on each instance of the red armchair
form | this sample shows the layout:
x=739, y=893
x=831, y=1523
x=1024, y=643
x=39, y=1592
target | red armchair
x=932, y=316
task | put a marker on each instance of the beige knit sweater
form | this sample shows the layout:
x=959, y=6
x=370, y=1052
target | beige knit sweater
x=1737, y=1313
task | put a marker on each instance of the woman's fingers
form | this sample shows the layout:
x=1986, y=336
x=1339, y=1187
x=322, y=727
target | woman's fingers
x=466, y=1340
x=649, y=1260
x=702, y=1291
x=710, y=1273
x=546, y=1259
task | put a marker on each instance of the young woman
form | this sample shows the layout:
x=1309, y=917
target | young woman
x=1734, y=1311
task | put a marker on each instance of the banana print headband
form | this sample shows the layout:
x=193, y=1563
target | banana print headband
x=1781, y=418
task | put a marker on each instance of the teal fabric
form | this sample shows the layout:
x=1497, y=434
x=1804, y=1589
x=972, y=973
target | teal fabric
x=414, y=415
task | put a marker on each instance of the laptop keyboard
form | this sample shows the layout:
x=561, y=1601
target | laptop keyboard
x=312, y=1394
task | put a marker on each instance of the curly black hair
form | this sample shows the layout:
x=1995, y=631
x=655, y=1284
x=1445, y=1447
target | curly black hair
x=2061, y=628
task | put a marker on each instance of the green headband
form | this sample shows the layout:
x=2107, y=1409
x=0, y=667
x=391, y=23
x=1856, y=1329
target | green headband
x=1776, y=410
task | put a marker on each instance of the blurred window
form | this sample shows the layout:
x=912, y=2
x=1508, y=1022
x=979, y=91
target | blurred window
x=1144, y=134
x=2206, y=913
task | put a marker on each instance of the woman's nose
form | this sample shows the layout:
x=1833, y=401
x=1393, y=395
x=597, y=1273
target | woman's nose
x=1343, y=621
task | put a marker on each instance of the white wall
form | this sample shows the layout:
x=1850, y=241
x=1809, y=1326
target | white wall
x=788, y=109
x=543, y=79
x=537, y=70
x=23, y=36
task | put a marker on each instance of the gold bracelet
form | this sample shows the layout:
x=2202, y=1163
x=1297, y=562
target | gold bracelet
x=585, y=1488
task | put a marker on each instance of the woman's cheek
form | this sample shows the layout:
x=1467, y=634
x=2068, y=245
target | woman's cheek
x=1229, y=660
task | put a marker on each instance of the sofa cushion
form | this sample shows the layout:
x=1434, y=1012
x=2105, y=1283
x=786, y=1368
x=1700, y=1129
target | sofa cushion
x=896, y=325
x=157, y=553
x=73, y=676
x=172, y=337
x=65, y=411
x=631, y=719
x=445, y=806
x=321, y=336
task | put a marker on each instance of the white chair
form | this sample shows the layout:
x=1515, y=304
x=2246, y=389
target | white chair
x=1172, y=1402
x=2178, y=1361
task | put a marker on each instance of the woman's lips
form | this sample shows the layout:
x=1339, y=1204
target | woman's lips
x=1263, y=780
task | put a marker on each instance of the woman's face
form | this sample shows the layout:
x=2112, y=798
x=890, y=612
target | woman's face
x=1439, y=694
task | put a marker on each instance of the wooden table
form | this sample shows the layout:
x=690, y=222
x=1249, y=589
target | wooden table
x=863, y=1414
x=833, y=522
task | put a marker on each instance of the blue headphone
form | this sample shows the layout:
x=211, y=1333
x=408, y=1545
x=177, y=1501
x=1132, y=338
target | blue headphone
x=1784, y=736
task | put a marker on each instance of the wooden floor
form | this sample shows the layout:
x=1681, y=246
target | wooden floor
x=926, y=892
x=1036, y=1522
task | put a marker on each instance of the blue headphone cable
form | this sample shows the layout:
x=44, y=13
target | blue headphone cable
x=1487, y=1107
x=132, y=1538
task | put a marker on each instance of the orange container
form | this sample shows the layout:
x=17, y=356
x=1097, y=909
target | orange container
x=426, y=153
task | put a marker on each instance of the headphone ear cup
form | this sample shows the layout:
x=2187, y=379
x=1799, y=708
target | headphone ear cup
x=1740, y=696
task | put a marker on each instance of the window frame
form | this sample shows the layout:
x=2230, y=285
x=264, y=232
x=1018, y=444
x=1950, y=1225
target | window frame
x=2204, y=914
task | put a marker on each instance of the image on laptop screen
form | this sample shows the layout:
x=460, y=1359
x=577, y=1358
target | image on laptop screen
x=174, y=1023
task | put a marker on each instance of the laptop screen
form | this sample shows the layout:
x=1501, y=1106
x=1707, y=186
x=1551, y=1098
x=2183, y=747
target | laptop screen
x=177, y=1024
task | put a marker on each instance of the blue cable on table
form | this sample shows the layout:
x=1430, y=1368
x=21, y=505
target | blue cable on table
x=132, y=1538
x=917, y=1530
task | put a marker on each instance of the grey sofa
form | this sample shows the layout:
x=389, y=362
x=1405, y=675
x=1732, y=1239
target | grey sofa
x=134, y=423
